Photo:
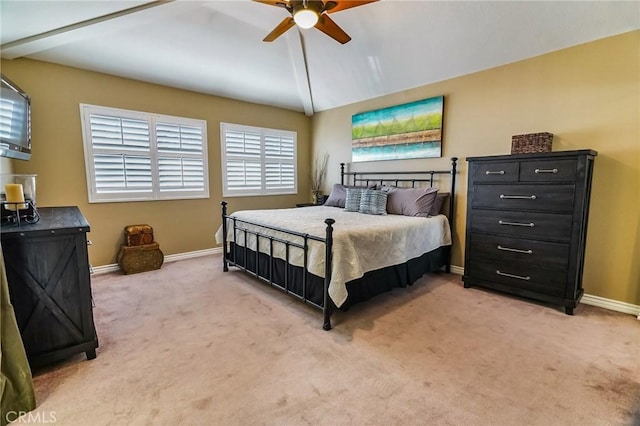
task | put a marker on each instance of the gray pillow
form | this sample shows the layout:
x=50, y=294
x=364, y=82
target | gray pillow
x=411, y=201
x=352, y=200
x=338, y=195
x=438, y=203
x=373, y=201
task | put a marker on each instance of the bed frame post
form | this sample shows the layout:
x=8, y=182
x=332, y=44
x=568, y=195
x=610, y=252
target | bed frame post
x=452, y=217
x=225, y=265
x=327, y=307
x=341, y=173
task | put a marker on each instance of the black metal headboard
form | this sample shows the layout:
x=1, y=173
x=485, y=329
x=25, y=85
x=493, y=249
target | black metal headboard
x=368, y=178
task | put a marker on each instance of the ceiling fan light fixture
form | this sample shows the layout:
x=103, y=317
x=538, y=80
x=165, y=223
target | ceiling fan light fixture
x=312, y=13
x=305, y=18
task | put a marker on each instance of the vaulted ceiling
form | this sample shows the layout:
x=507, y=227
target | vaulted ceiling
x=216, y=47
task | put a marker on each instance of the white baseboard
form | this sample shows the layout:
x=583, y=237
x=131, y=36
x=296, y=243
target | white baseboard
x=458, y=270
x=192, y=254
x=104, y=269
x=168, y=258
x=613, y=305
x=587, y=299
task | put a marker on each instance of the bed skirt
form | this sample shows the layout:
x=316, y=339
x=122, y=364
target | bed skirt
x=290, y=278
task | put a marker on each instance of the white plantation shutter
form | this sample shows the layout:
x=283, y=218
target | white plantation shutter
x=180, y=162
x=139, y=156
x=244, y=175
x=120, y=173
x=122, y=155
x=12, y=116
x=279, y=162
x=243, y=152
x=257, y=161
x=117, y=133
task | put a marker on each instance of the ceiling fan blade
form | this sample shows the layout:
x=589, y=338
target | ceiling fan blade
x=282, y=27
x=336, y=6
x=277, y=3
x=330, y=28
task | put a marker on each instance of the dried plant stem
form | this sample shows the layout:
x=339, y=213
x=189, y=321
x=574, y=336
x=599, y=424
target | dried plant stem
x=319, y=172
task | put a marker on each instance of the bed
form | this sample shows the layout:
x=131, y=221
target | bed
x=333, y=257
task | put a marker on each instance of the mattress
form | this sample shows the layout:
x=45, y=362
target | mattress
x=361, y=242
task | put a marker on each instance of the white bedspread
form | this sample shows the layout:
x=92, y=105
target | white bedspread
x=361, y=242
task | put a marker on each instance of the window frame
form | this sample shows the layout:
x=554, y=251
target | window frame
x=263, y=132
x=155, y=194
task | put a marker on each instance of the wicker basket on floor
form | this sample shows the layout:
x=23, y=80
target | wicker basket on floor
x=531, y=142
x=140, y=253
x=143, y=258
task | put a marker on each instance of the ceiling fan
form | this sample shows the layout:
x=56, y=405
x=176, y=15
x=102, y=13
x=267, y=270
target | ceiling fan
x=312, y=13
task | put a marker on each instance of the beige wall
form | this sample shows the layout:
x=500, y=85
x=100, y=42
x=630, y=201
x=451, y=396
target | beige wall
x=58, y=157
x=6, y=165
x=588, y=96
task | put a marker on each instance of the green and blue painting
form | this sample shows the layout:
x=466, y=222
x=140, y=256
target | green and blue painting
x=412, y=130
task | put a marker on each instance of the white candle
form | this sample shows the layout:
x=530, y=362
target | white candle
x=14, y=194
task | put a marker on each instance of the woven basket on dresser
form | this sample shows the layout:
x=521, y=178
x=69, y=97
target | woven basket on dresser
x=531, y=142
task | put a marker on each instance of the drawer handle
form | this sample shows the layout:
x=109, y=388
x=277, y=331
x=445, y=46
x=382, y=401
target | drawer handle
x=546, y=171
x=518, y=197
x=503, y=222
x=515, y=250
x=520, y=277
x=489, y=172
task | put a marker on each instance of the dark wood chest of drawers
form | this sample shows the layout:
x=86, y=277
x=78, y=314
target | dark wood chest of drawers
x=526, y=224
x=49, y=285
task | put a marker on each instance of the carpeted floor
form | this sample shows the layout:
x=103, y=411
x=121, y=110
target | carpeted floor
x=191, y=345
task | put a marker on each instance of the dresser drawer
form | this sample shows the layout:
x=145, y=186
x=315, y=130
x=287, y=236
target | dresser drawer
x=548, y=171
x=495, y=172
x=547, y=281
x=554, y=198
x=519, y=251
x=534, y=226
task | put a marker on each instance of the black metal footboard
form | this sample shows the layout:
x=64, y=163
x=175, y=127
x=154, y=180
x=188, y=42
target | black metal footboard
x=231, y=259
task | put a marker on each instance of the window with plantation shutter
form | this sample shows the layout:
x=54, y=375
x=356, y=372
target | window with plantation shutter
x=257, y=161
x=132, y=155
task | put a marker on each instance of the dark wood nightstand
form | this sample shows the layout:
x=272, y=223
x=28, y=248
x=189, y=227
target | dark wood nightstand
x=47, y=268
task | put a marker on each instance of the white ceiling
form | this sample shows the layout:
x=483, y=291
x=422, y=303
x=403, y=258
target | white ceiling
x=216, y=47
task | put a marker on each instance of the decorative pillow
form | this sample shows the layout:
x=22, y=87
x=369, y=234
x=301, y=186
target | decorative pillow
x=438, y=203
x=352, y=200
x=338, y=195
x=411, y=201
x=373, y=201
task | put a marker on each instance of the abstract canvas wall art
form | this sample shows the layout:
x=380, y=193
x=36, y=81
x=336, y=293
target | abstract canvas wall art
x=411, y=130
